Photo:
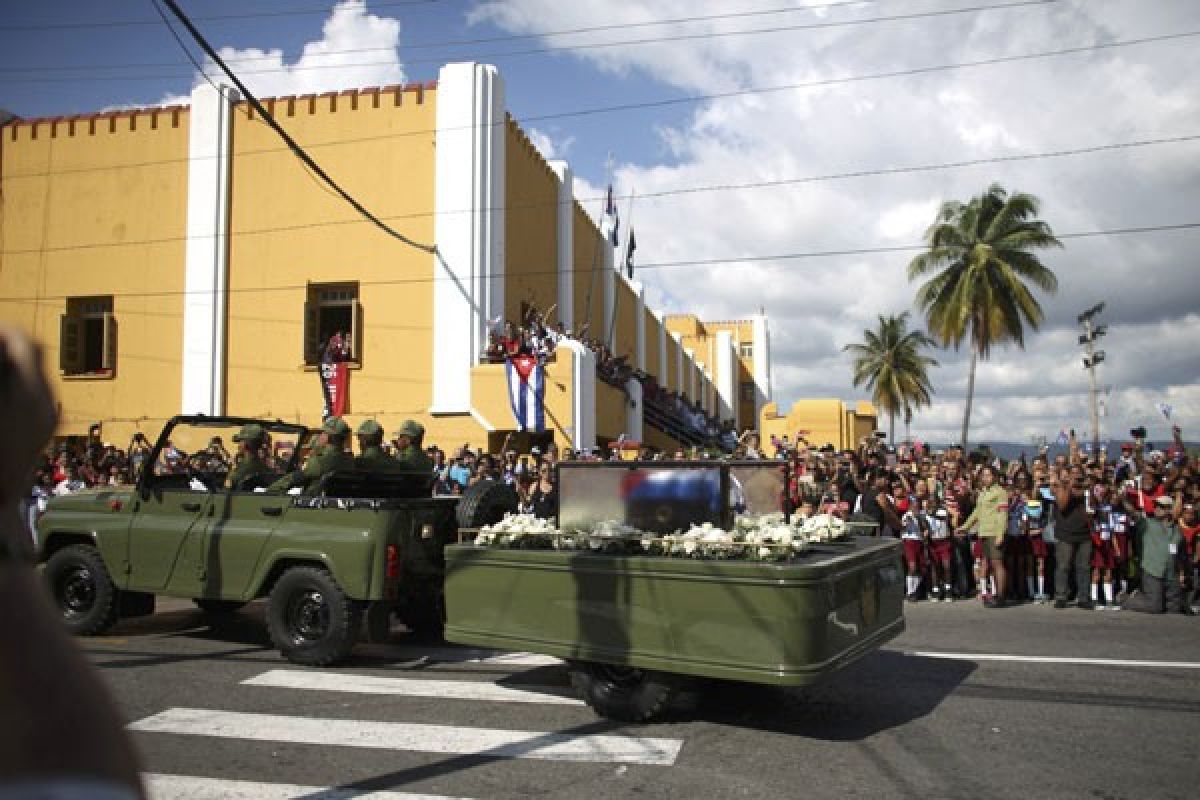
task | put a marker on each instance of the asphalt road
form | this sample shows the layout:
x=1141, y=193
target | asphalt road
x=934, y=715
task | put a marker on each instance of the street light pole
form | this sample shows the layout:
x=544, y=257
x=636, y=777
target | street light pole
x=1091, y=358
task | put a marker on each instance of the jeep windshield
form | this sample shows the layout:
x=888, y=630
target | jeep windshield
x=200, y=451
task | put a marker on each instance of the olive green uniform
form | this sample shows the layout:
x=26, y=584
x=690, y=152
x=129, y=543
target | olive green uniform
x=324, y=459
x=375, y=459
x=414, y=459
x=250, y=467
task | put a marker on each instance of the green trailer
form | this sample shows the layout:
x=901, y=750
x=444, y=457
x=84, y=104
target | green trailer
x=631, y=627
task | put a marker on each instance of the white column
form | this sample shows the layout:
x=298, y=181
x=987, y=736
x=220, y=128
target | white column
x=566, y=243
x=663, y=368
x=639, y=355
x=608, y=333
x=206, y=253
x=582, y=430
x=726, y=375
x=468, y=269
x=690, y=363
x=634, y=410
x=762, y=363
x=680, y=376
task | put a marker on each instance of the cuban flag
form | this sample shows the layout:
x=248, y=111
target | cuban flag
x=612, y=220
x=527, y=392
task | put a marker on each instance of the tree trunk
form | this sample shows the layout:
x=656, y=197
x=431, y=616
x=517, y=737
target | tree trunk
x=970, y=396
x=892, y=427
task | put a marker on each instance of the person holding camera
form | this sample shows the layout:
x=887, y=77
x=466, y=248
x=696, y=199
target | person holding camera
x=1073, y=537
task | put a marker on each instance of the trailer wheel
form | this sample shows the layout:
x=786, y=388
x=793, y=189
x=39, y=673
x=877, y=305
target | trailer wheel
x=486, y=503
x=310, y=619
x=82, y=589
x=622, y=693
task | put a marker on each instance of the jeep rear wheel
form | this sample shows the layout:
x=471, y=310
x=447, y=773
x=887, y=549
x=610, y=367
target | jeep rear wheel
x=622, y=693
x=310, y=619
x=82, y=589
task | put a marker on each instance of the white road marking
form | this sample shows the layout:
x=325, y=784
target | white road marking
x=411, y=687
x=1097, y=662
x=477, y=655
x=186, y=787
x=412, y=737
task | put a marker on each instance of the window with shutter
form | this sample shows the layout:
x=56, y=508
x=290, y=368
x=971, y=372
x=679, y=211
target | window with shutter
x=312, y=344
x=109, y=349
x=332, y=309
x=70, y=340
x=88, y=338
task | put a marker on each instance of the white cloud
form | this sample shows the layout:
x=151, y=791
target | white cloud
x=1038, y=105
x=356, y=49
x=549, y=146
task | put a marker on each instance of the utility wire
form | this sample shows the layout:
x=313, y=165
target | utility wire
x=579, y=269
x=583, y=201
x=137, y=23
x=461, y=42
x=304, y=157
x=572, y=48
x=670, y=101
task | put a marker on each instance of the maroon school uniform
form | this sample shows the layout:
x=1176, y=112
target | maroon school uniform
x=1103, y=554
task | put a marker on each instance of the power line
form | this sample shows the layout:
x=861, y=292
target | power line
x=479, y=40
x=578, y=268
x=304, y=157
x=920, y=168
x=576, y=47
x=137, y=23
x=686, y=99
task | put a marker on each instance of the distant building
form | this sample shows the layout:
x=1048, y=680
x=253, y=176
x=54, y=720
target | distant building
x=182, y=260
x=820, y=421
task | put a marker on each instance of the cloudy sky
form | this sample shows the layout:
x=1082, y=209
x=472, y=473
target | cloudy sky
x=762, y=136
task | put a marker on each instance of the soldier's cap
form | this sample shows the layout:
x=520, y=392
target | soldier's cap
x=411, y=429
x=251, y=432
x=370, y=427
x=336, y=426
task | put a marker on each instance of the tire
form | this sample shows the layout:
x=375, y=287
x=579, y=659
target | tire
x=622, y=693
x=83, y=589
x=217, y=608
x=310, y=619
x=486, y=503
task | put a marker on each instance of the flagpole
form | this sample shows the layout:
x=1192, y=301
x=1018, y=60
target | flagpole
x=620, y=267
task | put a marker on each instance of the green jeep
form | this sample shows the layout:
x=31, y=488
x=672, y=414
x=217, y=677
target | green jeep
x=356, y=545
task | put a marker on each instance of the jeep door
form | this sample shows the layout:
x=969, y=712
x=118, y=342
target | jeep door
x=166, y=511
x=233, y=539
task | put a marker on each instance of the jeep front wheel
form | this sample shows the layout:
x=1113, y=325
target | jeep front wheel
x=82, y=589
x=310, y=619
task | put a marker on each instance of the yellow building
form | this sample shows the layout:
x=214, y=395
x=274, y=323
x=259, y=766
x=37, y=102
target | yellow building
x=182, y=260
x=735, y=356
x=821, y=421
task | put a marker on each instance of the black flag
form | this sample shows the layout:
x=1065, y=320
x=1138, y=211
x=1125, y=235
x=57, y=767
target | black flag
x=630, y=246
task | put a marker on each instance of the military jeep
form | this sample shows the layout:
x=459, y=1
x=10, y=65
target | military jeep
x=356, y=546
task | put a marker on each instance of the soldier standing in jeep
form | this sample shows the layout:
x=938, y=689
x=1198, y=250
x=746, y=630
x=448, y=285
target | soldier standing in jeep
x=328, y=456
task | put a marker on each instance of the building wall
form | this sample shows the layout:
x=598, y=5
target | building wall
x=589, y=261
x=312, y=236
x=821, y=421
x=531, y=227
x=652, y=329
x=625, y=315
x=96, y=205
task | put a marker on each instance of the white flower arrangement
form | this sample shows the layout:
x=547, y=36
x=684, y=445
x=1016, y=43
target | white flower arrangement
x=765, y=537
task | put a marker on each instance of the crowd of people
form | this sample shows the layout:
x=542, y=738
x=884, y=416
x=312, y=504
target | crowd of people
x=1103, y=532
x=667, y=409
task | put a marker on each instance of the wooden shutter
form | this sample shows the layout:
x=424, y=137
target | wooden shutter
x=356, y=332
x=109, y=353
x=70, y=345
x=312, y=331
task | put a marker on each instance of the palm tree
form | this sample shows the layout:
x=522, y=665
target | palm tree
x=890, y=363
x=981, y=265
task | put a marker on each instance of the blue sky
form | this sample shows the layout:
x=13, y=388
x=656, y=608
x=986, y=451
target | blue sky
x=753, y=179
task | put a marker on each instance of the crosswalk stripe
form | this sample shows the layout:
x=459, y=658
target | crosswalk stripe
x=477, y=655
x=411, y=687
x=187, y=787
x=412, y=737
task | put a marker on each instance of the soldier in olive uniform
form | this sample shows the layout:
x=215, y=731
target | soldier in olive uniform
x=408, y=448
x=371, y=456
x=328, y=456
x=250, y=441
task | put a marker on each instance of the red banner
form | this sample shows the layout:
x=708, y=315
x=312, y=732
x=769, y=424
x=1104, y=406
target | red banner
x=335, y=377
